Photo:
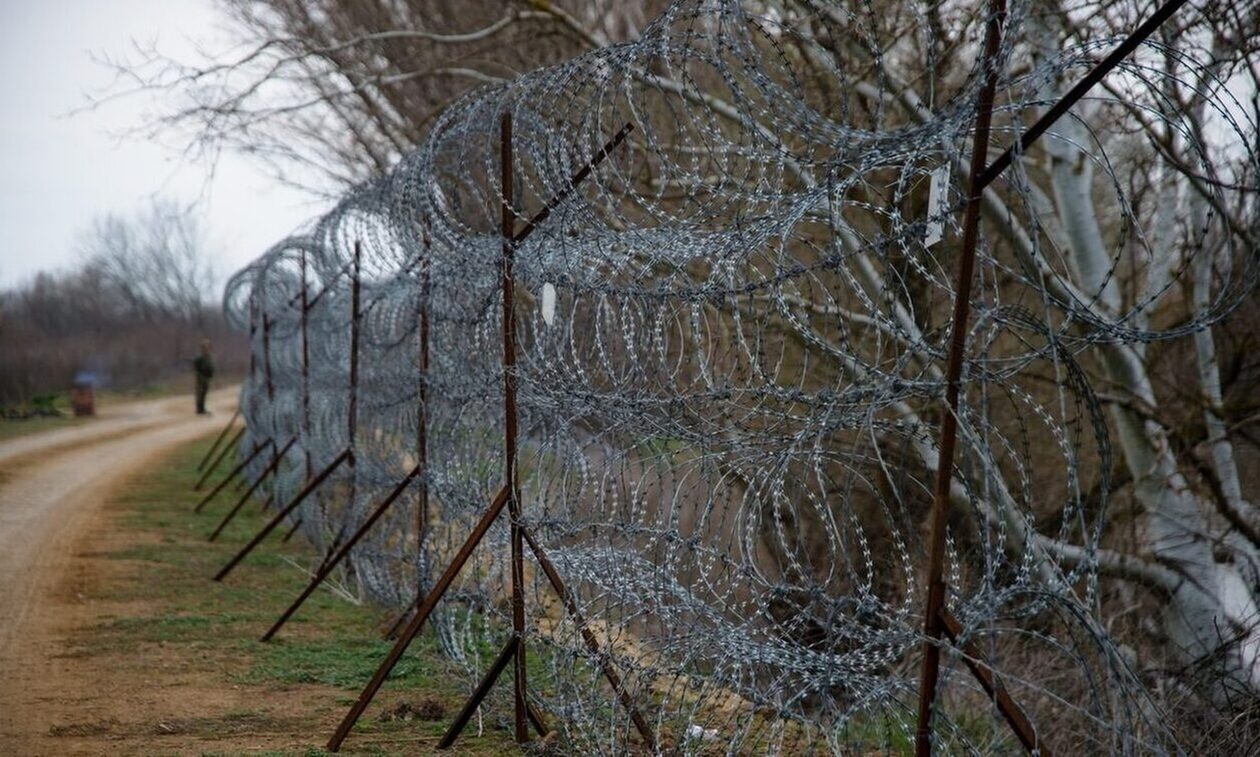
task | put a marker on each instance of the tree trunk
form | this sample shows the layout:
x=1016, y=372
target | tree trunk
x=1212, y=616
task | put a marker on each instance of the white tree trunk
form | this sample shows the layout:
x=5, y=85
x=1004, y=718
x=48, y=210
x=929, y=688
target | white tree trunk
x=1213, y=614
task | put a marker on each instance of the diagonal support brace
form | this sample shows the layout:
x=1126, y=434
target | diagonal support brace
x=311, y=486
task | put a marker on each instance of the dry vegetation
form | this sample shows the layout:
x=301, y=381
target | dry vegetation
x=132, y=312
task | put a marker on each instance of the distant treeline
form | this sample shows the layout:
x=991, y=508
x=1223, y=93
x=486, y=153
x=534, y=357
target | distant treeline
x=132, y=314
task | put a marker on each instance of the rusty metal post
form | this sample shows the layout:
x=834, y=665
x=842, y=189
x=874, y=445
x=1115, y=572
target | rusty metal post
x=575, y=613
x=271, y=468
x=599, y=157
x=311, y=486
x=932, y=626
x=487, y=682
x=329, y=286
x=509, y=652
x=253, y=353
x=267, y=376
x=1095, y=75
x=258, y=447
x=422, y=413
x=271, y=401
x=422, y=444
x=289, y=535
x=508, y=213
x=417, y=622
x=938, y=621
x=576, y=180
x=355, y=267
x=253, y=330
x=425, y=605
x=218, y=440
x=304, y=320
x=1014, y=715
x=352, y=410
x=343, y=552
x=236, y=438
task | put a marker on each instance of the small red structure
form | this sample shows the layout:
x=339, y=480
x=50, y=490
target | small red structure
x=83, y=395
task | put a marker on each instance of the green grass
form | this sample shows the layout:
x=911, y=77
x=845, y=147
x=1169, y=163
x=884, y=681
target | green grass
x=329, y=649
x=347, y=663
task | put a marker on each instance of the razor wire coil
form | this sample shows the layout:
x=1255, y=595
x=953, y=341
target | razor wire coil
x=731, y=342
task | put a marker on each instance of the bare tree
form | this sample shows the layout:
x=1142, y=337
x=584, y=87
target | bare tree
x=133, y=310
x=346, y=88
x=155, y=260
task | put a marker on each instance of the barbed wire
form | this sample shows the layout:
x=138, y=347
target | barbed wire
x=730, y=351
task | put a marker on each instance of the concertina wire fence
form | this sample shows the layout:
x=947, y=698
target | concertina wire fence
x=730, y=348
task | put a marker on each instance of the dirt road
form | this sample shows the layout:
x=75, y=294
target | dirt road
x=52, y=486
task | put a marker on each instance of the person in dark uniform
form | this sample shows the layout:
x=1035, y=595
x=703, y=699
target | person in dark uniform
x=203, y=367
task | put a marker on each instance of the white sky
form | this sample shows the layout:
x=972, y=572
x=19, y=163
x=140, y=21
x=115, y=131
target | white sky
x=58, y=172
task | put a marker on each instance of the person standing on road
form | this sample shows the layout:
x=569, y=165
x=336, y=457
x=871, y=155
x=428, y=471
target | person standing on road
x=203, y=367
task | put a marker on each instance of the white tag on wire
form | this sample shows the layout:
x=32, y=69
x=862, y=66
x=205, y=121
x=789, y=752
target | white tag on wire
x=938, y=205
x=548, y=303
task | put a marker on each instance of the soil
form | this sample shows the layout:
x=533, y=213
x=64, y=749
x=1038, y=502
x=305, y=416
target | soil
x=53, y=572
x=114, y=641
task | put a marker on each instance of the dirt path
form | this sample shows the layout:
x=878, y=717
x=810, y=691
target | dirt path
x=52, y=486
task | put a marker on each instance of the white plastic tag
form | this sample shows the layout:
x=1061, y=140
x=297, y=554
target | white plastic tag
x=548, y=303
x=938, y=205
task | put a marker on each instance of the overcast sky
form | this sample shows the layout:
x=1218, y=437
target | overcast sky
x=57, y=172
